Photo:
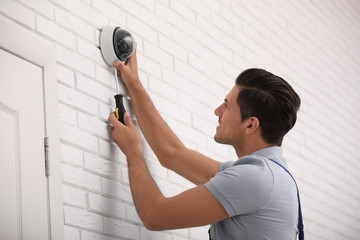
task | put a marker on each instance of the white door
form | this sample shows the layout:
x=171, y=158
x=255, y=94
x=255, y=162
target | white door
x=23, y=184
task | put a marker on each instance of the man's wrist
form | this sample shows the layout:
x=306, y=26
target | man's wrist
x=135, y=156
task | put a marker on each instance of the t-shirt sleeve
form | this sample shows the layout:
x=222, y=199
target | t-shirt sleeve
x=243, y=188
x=225, y=165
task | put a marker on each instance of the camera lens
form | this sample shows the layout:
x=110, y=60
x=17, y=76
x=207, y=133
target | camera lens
x=124, y=44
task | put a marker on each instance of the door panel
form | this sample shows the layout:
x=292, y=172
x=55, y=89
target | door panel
x=24, y=201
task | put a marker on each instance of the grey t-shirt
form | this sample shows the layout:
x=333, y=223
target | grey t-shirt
x=259, y=196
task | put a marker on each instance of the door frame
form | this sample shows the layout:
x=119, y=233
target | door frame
x=42, y=54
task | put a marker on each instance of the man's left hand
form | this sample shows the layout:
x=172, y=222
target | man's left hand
x=126, y=135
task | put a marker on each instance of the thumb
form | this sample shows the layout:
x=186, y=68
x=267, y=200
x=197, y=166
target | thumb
x=119, y=65
x=127, y=119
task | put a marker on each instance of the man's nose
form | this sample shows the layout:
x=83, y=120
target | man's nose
x=217, y=111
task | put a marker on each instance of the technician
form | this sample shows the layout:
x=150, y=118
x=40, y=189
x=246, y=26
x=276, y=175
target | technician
x=253, y=197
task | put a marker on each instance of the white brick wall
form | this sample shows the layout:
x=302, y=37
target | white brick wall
x=189, y=54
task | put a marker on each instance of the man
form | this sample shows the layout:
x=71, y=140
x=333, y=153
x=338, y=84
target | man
x=251, y=198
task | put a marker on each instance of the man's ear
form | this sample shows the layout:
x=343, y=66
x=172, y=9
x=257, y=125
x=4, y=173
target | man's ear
x=253, y=124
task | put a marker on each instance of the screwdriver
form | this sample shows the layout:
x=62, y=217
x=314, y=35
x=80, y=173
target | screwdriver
x=120, y=109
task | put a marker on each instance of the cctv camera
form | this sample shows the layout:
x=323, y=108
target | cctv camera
x=116, y=44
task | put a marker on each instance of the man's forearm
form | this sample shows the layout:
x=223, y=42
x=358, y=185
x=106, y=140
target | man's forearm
x=154, y=128
x=146, y=194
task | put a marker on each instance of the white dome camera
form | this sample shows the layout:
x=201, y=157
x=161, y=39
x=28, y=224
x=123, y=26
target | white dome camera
x=116, y=44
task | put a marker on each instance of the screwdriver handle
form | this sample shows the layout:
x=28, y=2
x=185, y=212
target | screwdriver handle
x=120, y=110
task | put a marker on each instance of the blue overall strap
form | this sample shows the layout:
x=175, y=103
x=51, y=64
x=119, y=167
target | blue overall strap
x=300, y=222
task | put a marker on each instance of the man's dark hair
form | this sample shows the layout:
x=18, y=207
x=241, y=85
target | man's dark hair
x=270, y=99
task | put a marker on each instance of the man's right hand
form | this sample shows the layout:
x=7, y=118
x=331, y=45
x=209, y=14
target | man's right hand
x=128, y=70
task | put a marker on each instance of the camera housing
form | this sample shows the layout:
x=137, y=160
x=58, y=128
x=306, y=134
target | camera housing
x=116, y=44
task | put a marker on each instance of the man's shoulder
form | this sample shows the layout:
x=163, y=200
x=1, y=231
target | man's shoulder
x=252, y=160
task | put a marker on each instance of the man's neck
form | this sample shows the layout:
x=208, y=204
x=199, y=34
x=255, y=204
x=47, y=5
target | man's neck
x=247, y=150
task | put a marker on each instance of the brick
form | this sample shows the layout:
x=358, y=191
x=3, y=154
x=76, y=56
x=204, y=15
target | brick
x=149, y=66
x=18, y=12
x=75, y=61
x=125, y=175
x=55, y=32
x=116, y=189
x=110, y=10
x=79, y=137
x=165, y=2
x=150, y=4
x=169, y=189
x=191, y=104
x=220, y=149
x=131, y=214
x=67, y=114
x=131, y=7
x=94, y=236
x=175, y=237
x=66, y=76
x=200, y=9
x=71, y=233
x=159, y=24
x=97, y=90
x=214, y=5
x=90, y=51
x=82, y=218
x=156, y=169
x=204, y=126
x=43, y=7
x=158, y=55
x=177, y=81
x=205, y=25
x=200, y=64
x=172, y=109
x=121, y=229
x=169, y=15
x=163, y=89
x=222, y=24
x=111, y=151
x=102, y=166
x=105, y=75
x=152, y=235
x=179, y=233
x=77, y=100
x=105, y=110
x=222, y=78
x=177, y=179
x=71, y=155
x=183, y=10
x=173, y=48
x=232, y=17
x=81, y=178
x=85, y=12
x=199, y=232
x=203, y=88
x=74, y=196
x=107, y=206
x=136, y=26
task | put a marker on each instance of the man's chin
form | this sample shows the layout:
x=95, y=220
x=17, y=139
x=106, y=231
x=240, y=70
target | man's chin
x=217, y=139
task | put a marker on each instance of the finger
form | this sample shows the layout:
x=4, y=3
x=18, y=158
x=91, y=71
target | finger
x=119, y=65
x=132, y=58
x=127, y=119
x=113, y=120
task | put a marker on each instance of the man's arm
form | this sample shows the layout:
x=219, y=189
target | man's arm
x=168, y=148
x=194, y=207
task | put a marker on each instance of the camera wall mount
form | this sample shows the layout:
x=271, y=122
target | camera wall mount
x=116, y=44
